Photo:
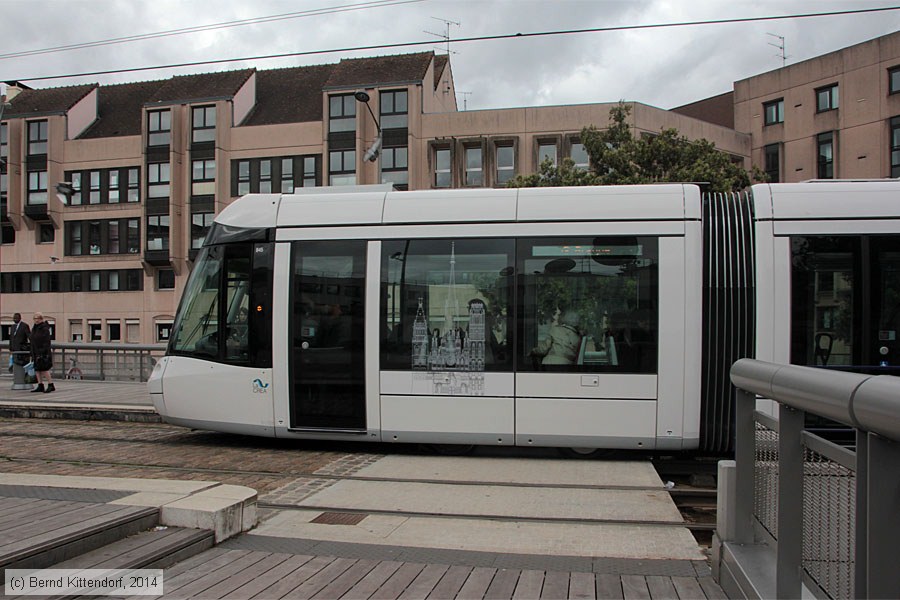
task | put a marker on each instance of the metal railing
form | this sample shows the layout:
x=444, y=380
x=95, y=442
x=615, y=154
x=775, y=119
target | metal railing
x=797, y=510
x=99, y=361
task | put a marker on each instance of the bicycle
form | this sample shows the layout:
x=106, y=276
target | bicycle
x=74, y=372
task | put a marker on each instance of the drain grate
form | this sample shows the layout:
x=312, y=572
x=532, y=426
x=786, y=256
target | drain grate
x=339, y=518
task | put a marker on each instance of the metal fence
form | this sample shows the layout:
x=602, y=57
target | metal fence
x=823, y=515
x=104, y=362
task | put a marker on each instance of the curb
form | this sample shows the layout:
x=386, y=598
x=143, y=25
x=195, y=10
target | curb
x=80, y=413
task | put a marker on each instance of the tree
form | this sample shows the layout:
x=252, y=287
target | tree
x=617, y=157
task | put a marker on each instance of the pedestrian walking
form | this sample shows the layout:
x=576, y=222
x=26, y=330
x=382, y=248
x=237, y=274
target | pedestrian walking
x=41, y=354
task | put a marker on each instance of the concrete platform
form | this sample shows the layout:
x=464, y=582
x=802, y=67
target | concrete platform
x=82, y=400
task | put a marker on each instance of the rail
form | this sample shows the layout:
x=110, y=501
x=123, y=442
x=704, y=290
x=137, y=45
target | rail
x=797, y=511
x=101, y=361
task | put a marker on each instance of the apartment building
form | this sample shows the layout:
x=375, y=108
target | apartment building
x=833, y=116
x=152, y=162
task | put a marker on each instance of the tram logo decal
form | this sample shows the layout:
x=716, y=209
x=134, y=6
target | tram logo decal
x=259, y=387
x=451, y=358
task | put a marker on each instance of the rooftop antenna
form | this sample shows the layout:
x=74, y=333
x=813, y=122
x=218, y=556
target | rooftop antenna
x=465, y=96
x=780, y=46
x=445, y=36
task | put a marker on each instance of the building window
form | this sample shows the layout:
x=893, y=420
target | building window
x=203, y=124
x=287, y=176
x=827, y=98
x=895, y=147
x=134, y=185
x=94, y=331
x=310, y=171
x=893, y=80
x=113, y=194
x=113, y=331
x=158, y=180
x=134, y=236
x=772, y=162
x=341, y=113
x=579, y=156
x=394, y=110
x=163, y=331
x=159, y=127
x=7, y=234
x=94, y=242
x=133, y=280
x=46, y=233
x=75, y=331
x=94, y=195
x=200, y=224
x=165, y=279
x=113, y=281
x=75, y=178
x=547, y=151
x=443, y=176
x=265, y=176
x=37, y=137
x=4, y=194
x=52, y=282
x=37, y=188
x=4, y=142
x=203, y=177
x=75, y=238
x=132, y=331
x=474, y=168
x=394, y=167
x=243, y=177
x=158, y=232
x=112, y=237
x=506, y=163
x=342, y=167
x=825, y=154
x=94, y=281
x=774, y=111
x=75, y=282
x=35, y=282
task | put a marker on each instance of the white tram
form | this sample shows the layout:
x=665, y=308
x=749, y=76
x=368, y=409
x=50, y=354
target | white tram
x=581, y=318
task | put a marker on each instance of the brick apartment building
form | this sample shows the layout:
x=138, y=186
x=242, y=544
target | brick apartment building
x=153, y=162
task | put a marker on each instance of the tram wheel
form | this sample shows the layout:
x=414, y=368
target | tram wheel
x=452, y=449
x=584, y=452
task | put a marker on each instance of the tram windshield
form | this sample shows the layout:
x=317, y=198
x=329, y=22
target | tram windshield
x=223, y=311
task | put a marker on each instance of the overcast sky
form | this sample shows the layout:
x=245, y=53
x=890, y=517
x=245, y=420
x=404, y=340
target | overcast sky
x=663, y=67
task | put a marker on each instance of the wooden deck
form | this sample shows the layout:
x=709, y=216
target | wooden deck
x=244, y=574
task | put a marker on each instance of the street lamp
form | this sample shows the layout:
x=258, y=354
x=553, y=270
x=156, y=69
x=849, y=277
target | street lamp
x=371, y=154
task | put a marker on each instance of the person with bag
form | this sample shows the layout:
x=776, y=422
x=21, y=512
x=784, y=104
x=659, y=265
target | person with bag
x=19, y=336
x=41, y=354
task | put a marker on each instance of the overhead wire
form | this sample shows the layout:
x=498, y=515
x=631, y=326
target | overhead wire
x=211, y=27
x=482, y=38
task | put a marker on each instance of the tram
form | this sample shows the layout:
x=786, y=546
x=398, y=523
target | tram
x=580, y=318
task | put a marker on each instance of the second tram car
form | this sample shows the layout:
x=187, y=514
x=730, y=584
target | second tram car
x=581, y=318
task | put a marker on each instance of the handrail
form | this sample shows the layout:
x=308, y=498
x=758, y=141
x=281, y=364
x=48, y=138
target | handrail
x=101, y=360
x=827, y=514
x=867, y=402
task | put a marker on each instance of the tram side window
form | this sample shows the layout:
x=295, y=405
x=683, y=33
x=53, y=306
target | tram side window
x=589, y=304
x=822, y=284
x=446, y=304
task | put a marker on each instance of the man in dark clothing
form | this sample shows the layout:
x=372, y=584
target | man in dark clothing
x=19, y=335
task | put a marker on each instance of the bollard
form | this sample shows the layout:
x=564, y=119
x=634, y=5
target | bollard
x=19, y=373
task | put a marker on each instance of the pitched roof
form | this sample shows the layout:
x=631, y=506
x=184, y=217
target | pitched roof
x=52, y=100
x=290, y=95
x=379, y=70
x=440, y=62
x=204, y=85
x=119, y=109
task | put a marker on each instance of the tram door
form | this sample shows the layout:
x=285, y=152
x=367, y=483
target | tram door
x=846, y=303
x=327, y=346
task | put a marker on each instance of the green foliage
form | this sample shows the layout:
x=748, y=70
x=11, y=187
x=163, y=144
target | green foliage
x=618, y=158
